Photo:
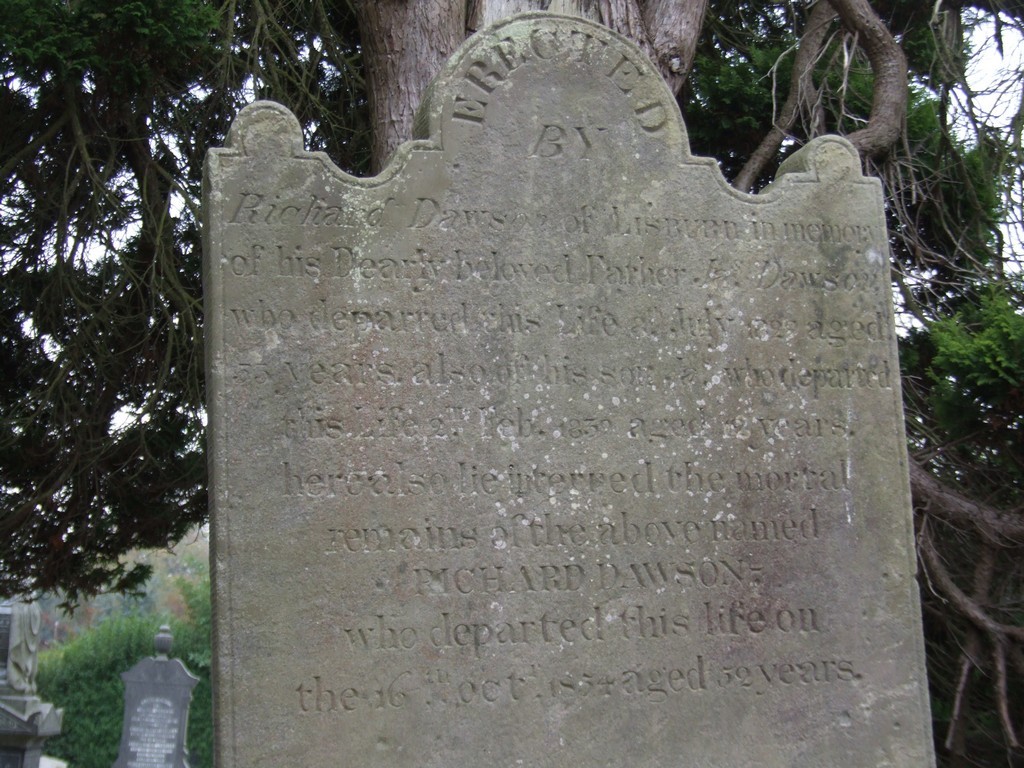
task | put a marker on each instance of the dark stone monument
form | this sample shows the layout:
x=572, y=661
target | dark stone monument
x=546, y=447
x=26, y=722
x=157, y=695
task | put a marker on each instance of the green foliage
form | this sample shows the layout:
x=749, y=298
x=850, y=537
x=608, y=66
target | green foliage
x=978, y=382
x=981, y=350
x=733, y=93
x=122, y=46
x=83, y=678
x=949, y=219
x=99, y=315
x=738, y=82
x=168, y=592
x=109, y=110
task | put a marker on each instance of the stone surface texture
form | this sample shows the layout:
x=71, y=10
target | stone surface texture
x=546, y=447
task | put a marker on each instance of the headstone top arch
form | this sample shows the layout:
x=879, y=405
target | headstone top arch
x=599, y=80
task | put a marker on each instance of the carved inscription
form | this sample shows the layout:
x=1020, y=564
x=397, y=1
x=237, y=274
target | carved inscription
x=153, y=734
x=713, y=575
x=701, y=568
x=5, y=644
x=441, y=688
x=484, y=75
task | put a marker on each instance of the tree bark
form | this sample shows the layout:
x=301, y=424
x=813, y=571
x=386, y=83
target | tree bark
x=484, y=12
x=674, y=28
x=404, y=46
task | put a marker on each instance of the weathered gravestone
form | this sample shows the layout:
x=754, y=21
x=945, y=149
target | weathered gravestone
x=545, y=447
x=157, y=694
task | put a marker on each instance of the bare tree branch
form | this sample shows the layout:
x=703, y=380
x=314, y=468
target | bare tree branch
x=889, y=102
x=956, y=735
x=801, y=92
x=1001, y=637
x=958, y=598
x=969, y=658
x=940, y=500
x=1002, y=699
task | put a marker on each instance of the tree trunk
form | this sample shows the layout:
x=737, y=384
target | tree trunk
x=674, y=28
x=404, y=46
x=484, y=12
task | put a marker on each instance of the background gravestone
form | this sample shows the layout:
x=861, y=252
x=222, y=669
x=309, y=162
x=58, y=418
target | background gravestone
x=546, y=447
x=157, y=694
x=26, y=721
